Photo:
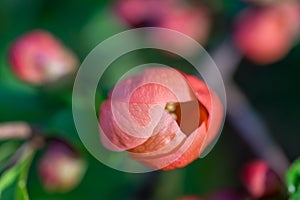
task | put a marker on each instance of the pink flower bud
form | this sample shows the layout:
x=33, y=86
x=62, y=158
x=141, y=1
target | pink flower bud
x=60, y=168
x=291, y=11
x=260, y=180
x=192, y=21
x=137, y=13
x=37, y=57
x=164, y=118
x=266, y=34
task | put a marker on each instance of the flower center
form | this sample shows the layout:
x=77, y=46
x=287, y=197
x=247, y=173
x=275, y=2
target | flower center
x=188, y=115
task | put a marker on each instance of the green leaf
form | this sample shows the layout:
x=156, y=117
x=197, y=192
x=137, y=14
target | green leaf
x=295, y=196
x=21, y=189
x=293, y=180
x=13, y=181
x=165, y=190
x=6, y=150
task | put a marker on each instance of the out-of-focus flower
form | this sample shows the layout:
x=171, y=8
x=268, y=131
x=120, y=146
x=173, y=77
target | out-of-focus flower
x=266, y=34
x=137, y=13
x=193, y=21
x=164, y=118
x=37, y=57
x=60, y=168
x=291, y=11
x=260, y=180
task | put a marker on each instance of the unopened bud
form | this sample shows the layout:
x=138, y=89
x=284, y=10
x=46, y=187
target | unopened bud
x=37, y=57
x=260, y=180
x=61, y=168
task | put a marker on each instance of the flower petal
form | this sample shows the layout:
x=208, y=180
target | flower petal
x=212, y=103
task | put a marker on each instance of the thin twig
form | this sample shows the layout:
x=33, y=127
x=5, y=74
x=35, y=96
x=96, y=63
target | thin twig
x=252, y=129
x=227, y=58
x=15, y=130
x=248, y=123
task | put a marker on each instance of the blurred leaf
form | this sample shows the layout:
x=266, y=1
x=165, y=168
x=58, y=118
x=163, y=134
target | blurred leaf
x=6, y=150
x=295, y=196
x=103, y=25
x=21, y=190
x=293, y=179
x=170, y=185
x=13, y=181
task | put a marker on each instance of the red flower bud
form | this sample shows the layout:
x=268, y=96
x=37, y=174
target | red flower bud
x=265, y=35
x=61, y=168
x=164, y=118
x=38, y=57
x=260, y=180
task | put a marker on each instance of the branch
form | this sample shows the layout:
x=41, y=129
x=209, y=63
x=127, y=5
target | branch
x=249, y=124
x=15, y=130
x=254, y=131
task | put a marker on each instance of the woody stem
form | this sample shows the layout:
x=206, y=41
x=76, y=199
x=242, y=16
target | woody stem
x=248, y=123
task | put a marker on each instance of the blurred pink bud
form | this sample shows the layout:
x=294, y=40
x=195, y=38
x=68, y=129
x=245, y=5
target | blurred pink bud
x=163, y=117
x=260, y=180
x=37, y=57
x=195, y=22
x=266, y=34
x=191, y=21
x=291, y=11
x=60, y=168
x=137, y=13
